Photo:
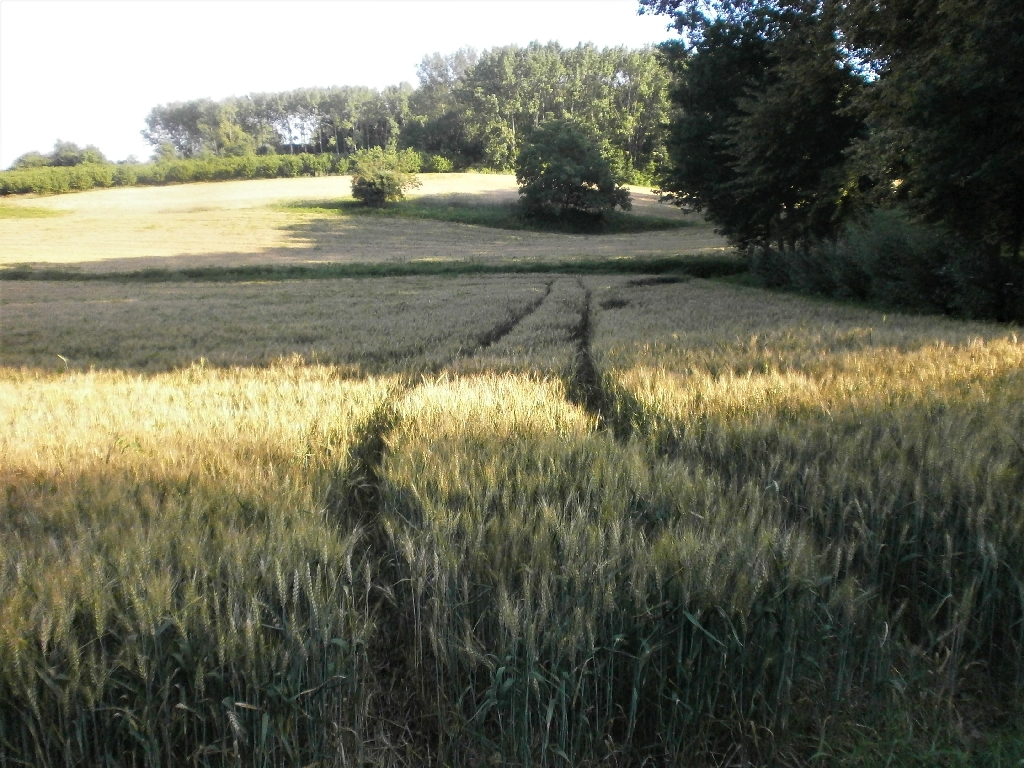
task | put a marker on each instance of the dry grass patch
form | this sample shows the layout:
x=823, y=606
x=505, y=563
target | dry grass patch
x=246, y=222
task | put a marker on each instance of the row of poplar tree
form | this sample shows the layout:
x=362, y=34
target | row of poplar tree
x=474, y=109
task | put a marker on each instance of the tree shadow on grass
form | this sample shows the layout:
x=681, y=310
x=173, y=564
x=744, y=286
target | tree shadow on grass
x=496, y=211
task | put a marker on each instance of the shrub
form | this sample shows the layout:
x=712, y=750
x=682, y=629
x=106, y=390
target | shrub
x=180, y=171
x=125, y=176
x=339, y=164
x=893, y=260
x=437, y=164
x=268, y=166
x=316, y=165
x=561, y=169
x=55, y=180
x=291, y=166
x=381, y=176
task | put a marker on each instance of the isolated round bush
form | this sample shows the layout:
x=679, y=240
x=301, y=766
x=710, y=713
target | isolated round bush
x=561, y=169
x=381, y=176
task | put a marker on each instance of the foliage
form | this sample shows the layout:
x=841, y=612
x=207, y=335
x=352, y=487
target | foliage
x=64, y=154
x=796, y=115
x=59, y=180
x=382, y=176
x=437, y=164
x=31, y=160
x=764, y=118
x=894, y=261
x=619, y=94
x=469, y=108
x=561, y=169
x=946, y=112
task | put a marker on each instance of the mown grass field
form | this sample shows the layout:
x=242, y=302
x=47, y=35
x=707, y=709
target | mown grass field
x=263, y=222
x=542, y=519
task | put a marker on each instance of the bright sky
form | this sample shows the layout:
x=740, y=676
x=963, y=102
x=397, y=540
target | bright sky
x=89, y=71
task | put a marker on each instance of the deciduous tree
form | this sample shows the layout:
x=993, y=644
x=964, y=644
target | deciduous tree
x=561, y=168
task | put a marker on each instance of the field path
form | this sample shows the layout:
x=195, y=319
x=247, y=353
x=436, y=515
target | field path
x=500, y=331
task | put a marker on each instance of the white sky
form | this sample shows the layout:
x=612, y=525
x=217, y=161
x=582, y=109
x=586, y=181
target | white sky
x=89, y=71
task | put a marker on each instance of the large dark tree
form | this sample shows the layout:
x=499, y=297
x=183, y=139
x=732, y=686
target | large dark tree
x=764, y=114
x=947, y=110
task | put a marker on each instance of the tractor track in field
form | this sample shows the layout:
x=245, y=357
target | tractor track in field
x=503, y=329
x=584, y=385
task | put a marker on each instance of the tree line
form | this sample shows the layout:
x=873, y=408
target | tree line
x=474, y=109
x=857, y=148
x=470, y=110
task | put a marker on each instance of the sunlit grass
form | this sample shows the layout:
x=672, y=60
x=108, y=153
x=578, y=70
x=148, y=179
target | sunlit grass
x=27, y=212
x=255, y=222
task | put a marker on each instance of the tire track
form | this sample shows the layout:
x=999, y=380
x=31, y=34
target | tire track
x=503, y=329
x=583, y=383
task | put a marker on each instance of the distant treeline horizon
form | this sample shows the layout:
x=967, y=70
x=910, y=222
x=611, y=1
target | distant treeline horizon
x=473, y=109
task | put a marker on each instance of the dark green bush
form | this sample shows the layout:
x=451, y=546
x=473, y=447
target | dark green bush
x=893, y=260
x=561, y=169
x=381, y=176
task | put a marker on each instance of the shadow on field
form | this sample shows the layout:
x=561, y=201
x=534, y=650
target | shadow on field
x=498, y=212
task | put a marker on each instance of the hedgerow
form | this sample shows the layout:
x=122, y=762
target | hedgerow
x=50, y=180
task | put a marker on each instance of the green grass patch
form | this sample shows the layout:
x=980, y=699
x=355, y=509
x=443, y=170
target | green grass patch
x=28, y=212
x=482, y=212
x=689, y=266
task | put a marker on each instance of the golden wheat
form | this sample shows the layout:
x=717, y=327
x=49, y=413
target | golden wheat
x=370, y=325
x=780, y=511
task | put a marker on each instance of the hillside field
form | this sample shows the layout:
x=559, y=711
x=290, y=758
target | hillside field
x=488, y=519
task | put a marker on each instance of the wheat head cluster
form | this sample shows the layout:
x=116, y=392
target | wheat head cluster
x=777, y=513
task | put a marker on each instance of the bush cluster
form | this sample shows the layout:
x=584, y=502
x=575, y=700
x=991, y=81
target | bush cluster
x=381, y=176
x=893, y=260
x=561, y=170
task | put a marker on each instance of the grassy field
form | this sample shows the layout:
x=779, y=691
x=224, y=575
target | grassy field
x=262, y=222
x=507, y=520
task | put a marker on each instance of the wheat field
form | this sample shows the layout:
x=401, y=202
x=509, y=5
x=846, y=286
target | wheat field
x=506, y=520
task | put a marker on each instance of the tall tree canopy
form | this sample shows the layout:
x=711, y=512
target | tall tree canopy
x=946, y=110
x=471, y=108
x=65, y=153
x=786, y=110
x=764, y=115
